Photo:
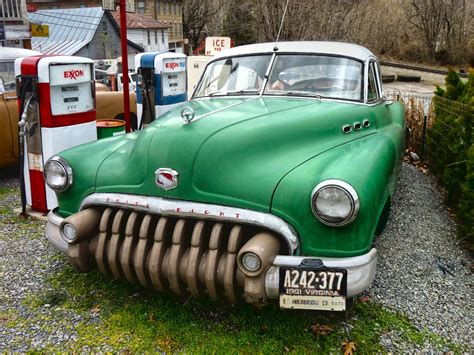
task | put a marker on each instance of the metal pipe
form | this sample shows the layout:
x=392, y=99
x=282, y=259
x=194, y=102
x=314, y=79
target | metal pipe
x=123, y=40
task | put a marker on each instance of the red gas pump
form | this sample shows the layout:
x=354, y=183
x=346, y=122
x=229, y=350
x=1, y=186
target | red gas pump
x=56, y=98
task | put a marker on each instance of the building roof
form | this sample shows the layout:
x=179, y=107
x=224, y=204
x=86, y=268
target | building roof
x=69, y=29
x=332, y=48
x=139, y=21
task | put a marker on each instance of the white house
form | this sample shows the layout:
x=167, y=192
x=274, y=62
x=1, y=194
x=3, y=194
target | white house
x=145, y=31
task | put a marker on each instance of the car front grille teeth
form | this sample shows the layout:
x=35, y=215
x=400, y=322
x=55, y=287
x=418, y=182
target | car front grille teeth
x=186, y=255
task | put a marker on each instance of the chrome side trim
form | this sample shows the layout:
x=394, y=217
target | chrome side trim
x=179, y=208
x=360, y=271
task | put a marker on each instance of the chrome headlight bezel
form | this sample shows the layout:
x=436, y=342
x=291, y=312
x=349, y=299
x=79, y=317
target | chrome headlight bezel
x=345, y=188
x=65, y=167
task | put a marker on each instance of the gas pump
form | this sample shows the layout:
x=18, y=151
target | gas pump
x=56, y=98
x=161, y=84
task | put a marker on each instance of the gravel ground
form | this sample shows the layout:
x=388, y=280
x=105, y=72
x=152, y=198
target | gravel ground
x=26, y=261
x=422, y=272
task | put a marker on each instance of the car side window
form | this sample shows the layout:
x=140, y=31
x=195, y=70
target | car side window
x=372, y=90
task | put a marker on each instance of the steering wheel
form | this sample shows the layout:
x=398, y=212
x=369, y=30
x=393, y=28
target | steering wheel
x=320, y=84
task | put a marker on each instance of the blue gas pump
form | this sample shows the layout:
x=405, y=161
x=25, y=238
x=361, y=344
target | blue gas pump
x=161, y=84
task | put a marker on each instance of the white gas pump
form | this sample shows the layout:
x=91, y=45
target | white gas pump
x=161, y=84
x=57, y=97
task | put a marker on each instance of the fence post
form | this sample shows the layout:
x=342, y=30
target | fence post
x=423, y=138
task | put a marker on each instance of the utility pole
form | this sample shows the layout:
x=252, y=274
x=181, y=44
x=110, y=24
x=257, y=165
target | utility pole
x=123, y=38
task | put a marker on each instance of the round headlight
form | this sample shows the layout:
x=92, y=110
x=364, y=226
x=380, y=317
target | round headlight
x=335, y=202
x=58, y=174
x=68, y=232
x=251, y=262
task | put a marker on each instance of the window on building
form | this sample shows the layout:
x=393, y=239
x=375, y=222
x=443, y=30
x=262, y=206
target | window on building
x=163, y=36
x=156, y=37
x=158, y=4
x=169, y=8
x=148, y=36
x=103, y=23
x=141, y=7
x=82, y=5
x=174, y=8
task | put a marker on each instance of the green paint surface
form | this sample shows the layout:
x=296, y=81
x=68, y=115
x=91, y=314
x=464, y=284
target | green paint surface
x=263, y=154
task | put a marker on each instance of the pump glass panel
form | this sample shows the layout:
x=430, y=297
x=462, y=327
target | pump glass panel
x=71, y=88
x=174, y=77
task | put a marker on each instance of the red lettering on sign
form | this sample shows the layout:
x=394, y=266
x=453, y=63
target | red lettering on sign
x=171, y=65
x=73, y=74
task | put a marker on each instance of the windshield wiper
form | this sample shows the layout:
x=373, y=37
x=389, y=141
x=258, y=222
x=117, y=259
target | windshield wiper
x=302, y=93
x=232, y=93
x=243, y=92
x=217, y=93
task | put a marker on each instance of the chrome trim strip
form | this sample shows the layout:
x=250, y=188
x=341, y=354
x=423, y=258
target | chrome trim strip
x=179, y=208
x=360, y=271
x=267, y=74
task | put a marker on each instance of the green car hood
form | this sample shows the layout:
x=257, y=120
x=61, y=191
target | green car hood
x=234, y=152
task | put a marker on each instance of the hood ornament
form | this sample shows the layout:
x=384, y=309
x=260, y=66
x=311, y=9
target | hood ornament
x=166, y=178
x=187, y=114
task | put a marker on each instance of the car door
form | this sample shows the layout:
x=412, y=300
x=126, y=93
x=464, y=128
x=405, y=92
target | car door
x=6, y=148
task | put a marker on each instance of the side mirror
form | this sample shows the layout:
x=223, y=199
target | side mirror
x=387, y=100
x=2, y=86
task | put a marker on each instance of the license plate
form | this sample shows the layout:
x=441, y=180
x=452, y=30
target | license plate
x=313, y=288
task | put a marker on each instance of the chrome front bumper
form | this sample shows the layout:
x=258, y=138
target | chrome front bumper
x=360, y=269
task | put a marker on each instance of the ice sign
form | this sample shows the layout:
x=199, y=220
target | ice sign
x=215, y=45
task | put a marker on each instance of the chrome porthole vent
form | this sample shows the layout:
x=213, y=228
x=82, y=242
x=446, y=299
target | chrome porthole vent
x=366, y=123
x=357, y=126
x=346, y=129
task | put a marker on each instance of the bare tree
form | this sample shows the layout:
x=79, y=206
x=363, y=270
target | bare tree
x=269, y=14
x=197, y=14
x=458, y=27
x=427, y=16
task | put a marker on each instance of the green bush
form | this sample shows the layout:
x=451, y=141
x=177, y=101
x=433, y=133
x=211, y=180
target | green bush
x=450, y=147
x=466, y=204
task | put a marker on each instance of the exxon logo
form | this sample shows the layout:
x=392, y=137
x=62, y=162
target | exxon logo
x=174, y=65
x=73, y=74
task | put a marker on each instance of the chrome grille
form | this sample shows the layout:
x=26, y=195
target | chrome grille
x=189, y=256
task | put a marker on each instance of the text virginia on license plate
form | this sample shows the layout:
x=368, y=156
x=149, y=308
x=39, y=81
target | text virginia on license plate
x=317, y=289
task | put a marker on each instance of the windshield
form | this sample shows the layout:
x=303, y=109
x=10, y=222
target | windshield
x=7, y=72
x=238, y=76
x=316, y=75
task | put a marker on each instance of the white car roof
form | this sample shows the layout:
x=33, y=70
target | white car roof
x=332, y=48
x=8, y=54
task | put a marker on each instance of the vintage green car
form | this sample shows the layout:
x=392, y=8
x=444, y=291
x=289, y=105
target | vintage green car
x=270, y=183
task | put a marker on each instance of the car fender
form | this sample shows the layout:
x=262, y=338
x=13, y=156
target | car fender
x=85, y=167
x=370, y=164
